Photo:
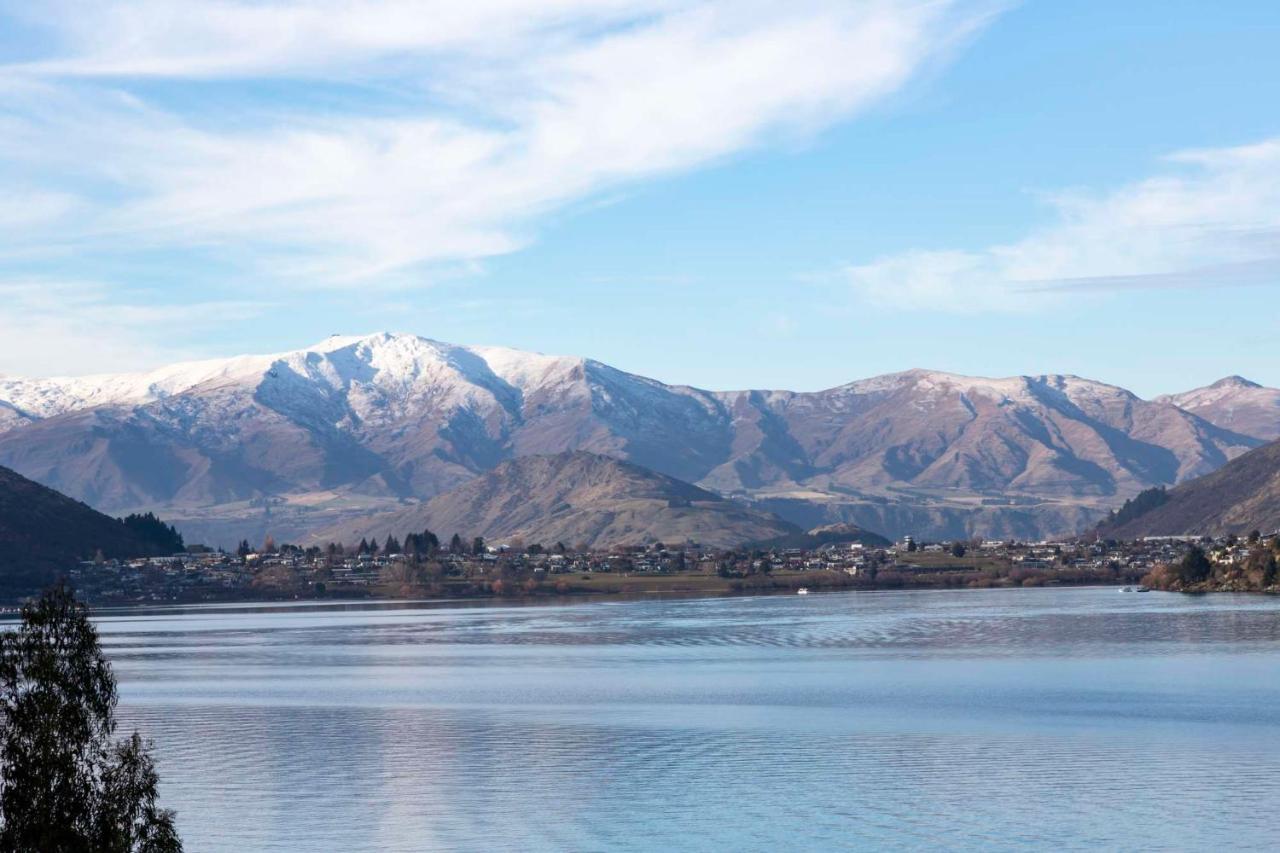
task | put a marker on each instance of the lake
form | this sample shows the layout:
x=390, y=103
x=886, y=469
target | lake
x=1047, y=718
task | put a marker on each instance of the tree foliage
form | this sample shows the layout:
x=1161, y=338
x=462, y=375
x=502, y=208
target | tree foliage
x=425, y=543
x=1194, y=566
x=153, y=531
x=66, y=784
x=1136, y=506
x=1261, y=566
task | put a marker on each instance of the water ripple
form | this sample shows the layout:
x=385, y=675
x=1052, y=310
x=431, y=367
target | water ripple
x=1061, y=719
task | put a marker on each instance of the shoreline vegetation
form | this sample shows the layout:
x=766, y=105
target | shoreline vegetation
x=514, y=586
x=422, y=567
x=944, y=576
x=1248, y=565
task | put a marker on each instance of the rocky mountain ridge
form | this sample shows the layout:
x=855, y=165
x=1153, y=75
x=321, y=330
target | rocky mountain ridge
x=1234, y=403
x=301, y=440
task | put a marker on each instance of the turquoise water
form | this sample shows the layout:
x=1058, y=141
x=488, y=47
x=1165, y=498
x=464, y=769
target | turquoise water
x=1074, y=718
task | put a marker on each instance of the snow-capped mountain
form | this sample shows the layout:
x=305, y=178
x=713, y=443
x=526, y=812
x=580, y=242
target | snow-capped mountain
x=354, y=424
x=1236, y=404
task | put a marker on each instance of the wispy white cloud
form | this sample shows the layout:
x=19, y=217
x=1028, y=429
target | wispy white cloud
x=72, y=327
x=502, y=112
x=320, y=38
x=1211, y=218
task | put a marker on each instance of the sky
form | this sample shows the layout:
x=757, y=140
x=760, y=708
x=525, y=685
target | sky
x=724, y=194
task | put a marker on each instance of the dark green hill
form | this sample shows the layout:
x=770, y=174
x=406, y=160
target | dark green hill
x=43, y=532
x=1241, y=496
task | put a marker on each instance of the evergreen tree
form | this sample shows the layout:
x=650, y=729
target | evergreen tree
x=455, y=544
x=364, y=546
x=67, y=786
x=477, y=545
x=1137, y=506
x=1195, y=566
x=163, y=537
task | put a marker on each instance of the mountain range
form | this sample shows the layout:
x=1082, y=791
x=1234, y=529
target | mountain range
x=354, y=427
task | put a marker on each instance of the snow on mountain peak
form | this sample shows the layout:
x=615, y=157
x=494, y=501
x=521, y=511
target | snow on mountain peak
x=393, y=364
x=942, y=382
x=1234, y=382
x=42, y=398
x=392, y=374
x=530, y=370
x=1225, y=389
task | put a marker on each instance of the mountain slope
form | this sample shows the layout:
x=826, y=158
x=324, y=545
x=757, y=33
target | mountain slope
x=382, y=416
x=1243, y=495
x=42, y=532
x=1236, y=404
x=1044, y=435
x=291, y=442
x=576, y=498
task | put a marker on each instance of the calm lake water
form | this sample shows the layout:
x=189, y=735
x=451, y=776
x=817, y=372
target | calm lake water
x=1066, y=718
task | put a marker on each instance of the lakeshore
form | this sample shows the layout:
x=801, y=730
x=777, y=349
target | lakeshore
x=507, y=572
x=657, y=572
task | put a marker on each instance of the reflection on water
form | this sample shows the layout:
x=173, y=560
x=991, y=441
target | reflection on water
x=992, y=719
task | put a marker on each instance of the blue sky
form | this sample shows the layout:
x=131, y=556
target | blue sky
x=729, y=195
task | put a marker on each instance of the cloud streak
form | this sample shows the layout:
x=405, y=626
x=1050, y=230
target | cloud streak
x=53, y=327
x=1210, y=219
x=449, y=132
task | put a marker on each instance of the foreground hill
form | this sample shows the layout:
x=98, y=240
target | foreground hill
x=1242, y=496
x=579, y=499
x=43, y=532
x=1236, y=404
x=353, y=425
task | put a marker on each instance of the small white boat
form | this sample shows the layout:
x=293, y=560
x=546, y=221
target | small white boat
x=1127, y=589
x=804, y=590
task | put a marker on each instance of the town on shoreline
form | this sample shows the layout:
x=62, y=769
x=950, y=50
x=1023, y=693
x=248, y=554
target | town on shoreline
x=421, y=566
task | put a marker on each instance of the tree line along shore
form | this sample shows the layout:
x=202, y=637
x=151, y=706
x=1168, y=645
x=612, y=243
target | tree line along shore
x=420, y=566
